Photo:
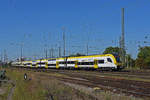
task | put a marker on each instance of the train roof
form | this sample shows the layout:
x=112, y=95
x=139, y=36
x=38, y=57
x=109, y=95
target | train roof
x=89, y=56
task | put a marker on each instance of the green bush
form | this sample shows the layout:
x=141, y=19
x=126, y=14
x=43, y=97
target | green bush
x=143, y=58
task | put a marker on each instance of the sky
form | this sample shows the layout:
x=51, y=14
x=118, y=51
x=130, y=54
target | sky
x=39, y=24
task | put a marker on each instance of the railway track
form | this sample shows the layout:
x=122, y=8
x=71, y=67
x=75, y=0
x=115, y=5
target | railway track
x=124, y=73
x=103, y=87
x=104, y=82
x=136, y=88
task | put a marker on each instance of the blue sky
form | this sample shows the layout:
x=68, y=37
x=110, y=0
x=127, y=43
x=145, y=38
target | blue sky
x=38, y=24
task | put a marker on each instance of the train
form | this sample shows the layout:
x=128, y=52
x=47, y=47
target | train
x=102, y=62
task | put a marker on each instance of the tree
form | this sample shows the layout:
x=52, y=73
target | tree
x=130, y=62
x=143, y=58
x=112, y=50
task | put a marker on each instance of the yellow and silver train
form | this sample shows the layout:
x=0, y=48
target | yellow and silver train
x=106, y=61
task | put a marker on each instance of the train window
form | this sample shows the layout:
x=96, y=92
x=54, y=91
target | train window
x=109, y=60
x=51, y=64
x=85, y=63
x=70, y=62
x=42, y=63
x=28, y=63
x=100, y=61
x=80, y=63
x=91, y=63
x=61, y=62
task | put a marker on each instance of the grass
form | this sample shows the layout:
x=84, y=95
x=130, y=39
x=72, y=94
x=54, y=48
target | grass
x=43, y=86
x=58, y=91
x=6, y=88
x=25, y=89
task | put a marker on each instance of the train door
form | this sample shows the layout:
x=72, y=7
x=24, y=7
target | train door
x=57, y=64
x=46, y=64
x=76, y=64
x=36, y=65
x=95, y=63
x=31, y=65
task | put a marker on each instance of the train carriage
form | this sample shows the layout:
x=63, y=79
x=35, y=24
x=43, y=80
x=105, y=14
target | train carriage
x=34, y=64
x=106, y=61
x=29, y=64
x=51, y=63
x=42, y=63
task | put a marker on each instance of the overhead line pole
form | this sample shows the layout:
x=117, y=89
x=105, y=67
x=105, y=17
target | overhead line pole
x=21, y=47
x=87, y=47
x=59, y=51
x=123, y=38
x=52, y=52
x=46, y=53
x=64, y=41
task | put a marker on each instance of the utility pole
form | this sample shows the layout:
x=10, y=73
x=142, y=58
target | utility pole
x=49, y=53
x=1, y=57
x=21, y=51
x=52, y=52
x=5, y=56
x=87, y=48
x=64, y=41
x=120, y=48
x=1, y=62
x=123, y=39
x=88, y=34
x=59, y=51
x=46, y=53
